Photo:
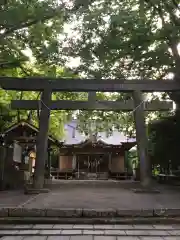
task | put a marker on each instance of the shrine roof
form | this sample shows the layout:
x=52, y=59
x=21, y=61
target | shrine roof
x=74, y=137
x=24, y=123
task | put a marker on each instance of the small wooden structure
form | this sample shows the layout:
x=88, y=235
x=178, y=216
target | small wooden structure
x=18, y=154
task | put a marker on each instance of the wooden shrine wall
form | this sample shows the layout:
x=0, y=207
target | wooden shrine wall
x=117, y=164
x=10, y=177
x=65, y=162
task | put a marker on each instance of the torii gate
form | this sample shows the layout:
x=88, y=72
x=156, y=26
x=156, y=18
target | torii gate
x=49, y=85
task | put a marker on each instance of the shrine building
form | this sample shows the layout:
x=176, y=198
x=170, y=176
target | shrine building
x=18, y=153
x=93, y=157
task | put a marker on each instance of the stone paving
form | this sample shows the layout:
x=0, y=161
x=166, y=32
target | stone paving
x=89, y=232
x=13, y=198
x=94, y=195
x=115, y=196
x=91, y=196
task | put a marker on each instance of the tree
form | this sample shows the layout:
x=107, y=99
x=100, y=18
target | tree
x=29, y=46
x=6, y=117
x=33, y=25
x=135, y=38
x=57, y=118
x=163, y=142
x=27, y=25
x=127, y=39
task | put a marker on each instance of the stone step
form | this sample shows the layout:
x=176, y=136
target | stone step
x=89, y=237
x=89, y=213
x=97, y=232
x=154, y=227
x=57, y=220
x=92, y=176
x=89, y=232
x=128, y=184
x=102, y=175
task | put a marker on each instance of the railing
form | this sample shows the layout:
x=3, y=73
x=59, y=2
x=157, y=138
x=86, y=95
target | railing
x=57, y=174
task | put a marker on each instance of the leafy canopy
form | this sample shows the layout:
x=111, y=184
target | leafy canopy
x=129, y=38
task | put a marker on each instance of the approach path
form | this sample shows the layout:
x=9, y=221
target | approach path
x=104, y=195
x=89, y=232
x=94, y=195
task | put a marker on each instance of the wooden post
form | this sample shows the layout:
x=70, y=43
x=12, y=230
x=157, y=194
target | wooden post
x=74, y=162
x=109, y=159
x=126, y=161
x=2, y=165
x=42, y=140
x=91, y=96
x=49, y=163
x=142, y=142
x=91, y=100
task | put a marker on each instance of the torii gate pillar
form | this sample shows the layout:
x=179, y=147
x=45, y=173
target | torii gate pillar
x=142, y=141
x=42, y=140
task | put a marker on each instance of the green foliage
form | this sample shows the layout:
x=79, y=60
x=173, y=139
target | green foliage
x=6, y=117
x=126, y=39
x=29, y=46
x=132, y=159
x=57, y=118
x=114, y=39
x=27, y=25
x=33, y=25
x=164, y=141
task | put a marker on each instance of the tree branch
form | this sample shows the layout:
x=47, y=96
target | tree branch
x=24, y=71
x=3, y=3
x=175, y=4
x=29, y=118
x=173, y=17
x=7, y=65
x=172, y=43
x=29, y=23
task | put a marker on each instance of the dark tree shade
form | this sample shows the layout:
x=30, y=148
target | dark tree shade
x=164, y=136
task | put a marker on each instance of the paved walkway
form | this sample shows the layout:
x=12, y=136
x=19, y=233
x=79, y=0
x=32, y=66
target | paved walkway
x=13, y=198
x=89, y=232
x=105, y=196
x=94, y=195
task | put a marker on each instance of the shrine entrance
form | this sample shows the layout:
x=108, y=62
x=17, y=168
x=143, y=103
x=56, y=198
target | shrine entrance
x=94, y=163
x=102, y=157
x=94, y=166
x=137, y=105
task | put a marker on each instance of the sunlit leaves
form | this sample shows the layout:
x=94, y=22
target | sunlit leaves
x=125, y=39
x=33, y=25
x=57, y=118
